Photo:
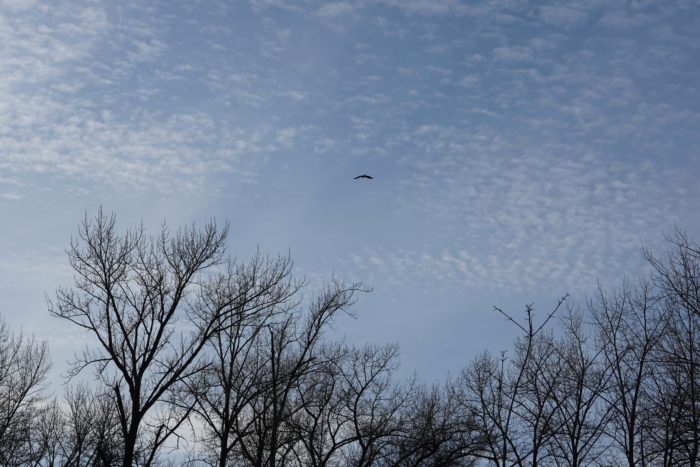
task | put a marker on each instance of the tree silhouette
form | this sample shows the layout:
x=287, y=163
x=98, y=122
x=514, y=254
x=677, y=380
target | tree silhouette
x=151, y=309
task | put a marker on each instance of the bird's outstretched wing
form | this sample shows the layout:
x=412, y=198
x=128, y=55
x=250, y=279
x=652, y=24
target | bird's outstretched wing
x=364, y=176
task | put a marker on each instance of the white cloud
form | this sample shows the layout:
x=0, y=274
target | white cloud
x=503, y=138
x=428, y=7
x=619, y=18
x=263, y=5
x=524, y=213
x=294, y=95
x=335, y=9
x=563, y=15
x=514, y=53
x=11, y=196
x=18, y=5
x=469, y=81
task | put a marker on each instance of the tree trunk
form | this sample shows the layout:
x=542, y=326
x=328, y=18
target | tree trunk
x=130, y=443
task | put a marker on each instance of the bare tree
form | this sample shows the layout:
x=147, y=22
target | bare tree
x=266, y=375
x=151, y=307
x=629, y=325
x=78, y=428
x=679, y=368
x=348, y=407
x=90, y=434
x=219, y=394
x=81, y=431
x=372, y=401
x=678, y=276
x=436, y=430
x=48, y=435
x=24, y=364
x=675, y=408
x=671, y=408
x=321, y=425
x=107, y=436
x=481, y=387
x=513, y=401
x=581, y=415
x=536, y=406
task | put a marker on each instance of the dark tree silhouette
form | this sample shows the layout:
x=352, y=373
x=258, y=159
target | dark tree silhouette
x=288, y=350
x=151, y=308
x=220, y=395
x=675, y=409
x=182, y=335
x=513, y=400
x=24, y=364
x=348, y=408
x=629, y=325
x=436, y=430
x=581, y=418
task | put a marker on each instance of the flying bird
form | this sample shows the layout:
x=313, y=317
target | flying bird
x=364, y=176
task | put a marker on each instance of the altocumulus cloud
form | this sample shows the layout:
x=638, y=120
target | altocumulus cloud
x=525, y=143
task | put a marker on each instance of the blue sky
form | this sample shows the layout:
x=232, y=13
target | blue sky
x=521, y=150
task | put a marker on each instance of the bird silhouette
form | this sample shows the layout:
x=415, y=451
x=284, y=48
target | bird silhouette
x=364, y=176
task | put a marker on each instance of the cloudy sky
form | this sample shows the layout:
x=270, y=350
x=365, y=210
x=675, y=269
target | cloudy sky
x=520, y=150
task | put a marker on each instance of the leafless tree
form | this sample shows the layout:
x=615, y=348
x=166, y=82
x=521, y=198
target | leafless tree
x=581, y=416
x=80, y=431
x=675, y=408
x=151, y=304
x=107, y=436
x=322, y=426
x=436, y=431
x=183, y=336
x=481, y=387
x=678, y=275
x=48, y=435
x=537, y=406
x=671, y=407
x=371, y=401
x=219, y=395
x=266, y=376
x=629, y=324
x=348, y=407
x=513, y=400
x=78, y=427
x=24, y=364
x=89, y=433
x=678, y=390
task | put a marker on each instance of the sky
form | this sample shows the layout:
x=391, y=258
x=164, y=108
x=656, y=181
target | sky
x=520, y=150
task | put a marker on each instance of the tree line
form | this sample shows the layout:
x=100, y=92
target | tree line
x=232, y=362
